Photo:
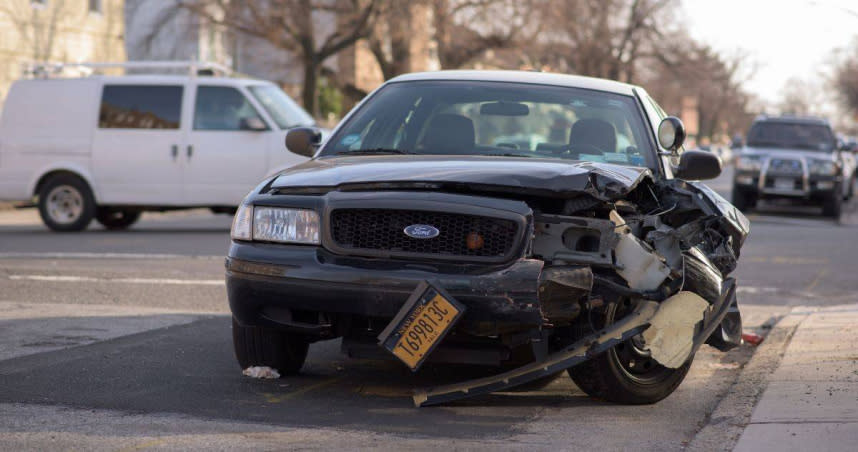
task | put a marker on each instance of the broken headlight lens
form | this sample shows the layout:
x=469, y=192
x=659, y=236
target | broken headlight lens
x=749, y=163
x=242, y=223
x=275, y=224
x=822, y=167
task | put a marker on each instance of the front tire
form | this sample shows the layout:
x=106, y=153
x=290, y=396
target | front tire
x=116, y=219
x=832, y=206
x=256, y=346
x=66, y=203
x=743, y=200
x=626, y=373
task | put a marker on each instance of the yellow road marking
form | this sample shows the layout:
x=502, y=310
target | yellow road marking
x=141, y=446
x=816, y=280
x=277, y=398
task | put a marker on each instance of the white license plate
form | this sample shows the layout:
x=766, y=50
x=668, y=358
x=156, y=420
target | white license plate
x=785, y=184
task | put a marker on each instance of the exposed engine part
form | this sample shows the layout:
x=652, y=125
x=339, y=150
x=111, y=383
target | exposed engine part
x=561, y=289
x=636, y=262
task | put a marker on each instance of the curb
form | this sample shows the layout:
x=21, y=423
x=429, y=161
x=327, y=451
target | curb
x=727, y=422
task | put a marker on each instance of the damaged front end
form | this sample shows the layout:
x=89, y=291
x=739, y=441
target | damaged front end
x=662, y=248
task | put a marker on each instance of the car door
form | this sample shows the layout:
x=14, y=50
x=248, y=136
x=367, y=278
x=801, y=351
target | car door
x=226, y=154
x=135, y=148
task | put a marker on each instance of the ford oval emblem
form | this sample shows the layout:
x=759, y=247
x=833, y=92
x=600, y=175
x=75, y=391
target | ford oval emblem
x=421, y=231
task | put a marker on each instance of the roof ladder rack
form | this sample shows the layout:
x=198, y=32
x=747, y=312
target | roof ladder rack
x=194, y=68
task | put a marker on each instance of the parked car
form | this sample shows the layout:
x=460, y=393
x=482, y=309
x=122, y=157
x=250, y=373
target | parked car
x=796, y=159
x=414, y=234
x=111, y=147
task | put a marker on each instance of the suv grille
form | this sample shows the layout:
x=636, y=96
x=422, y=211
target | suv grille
x=382, y=230
x=785, y=166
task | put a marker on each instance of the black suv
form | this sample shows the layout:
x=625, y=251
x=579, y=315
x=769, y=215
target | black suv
x=796, y=159
x=536, y=222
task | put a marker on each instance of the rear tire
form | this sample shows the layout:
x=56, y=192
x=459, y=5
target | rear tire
x=256, y=346
x=66, y=203
x=115, y=219
x=625, y=374
x=832, y=206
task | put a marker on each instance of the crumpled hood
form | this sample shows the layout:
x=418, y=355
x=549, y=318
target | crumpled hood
x=548, y=176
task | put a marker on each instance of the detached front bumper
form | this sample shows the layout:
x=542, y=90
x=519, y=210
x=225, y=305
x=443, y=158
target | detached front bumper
x=305, y=289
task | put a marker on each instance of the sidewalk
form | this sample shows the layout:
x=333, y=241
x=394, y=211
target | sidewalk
x=811, y=400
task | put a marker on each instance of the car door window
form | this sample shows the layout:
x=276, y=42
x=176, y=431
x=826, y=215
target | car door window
x=140, y=107
x=222, y=108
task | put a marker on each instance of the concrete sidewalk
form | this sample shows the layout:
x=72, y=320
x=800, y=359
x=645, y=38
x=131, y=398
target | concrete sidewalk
x=811, y=400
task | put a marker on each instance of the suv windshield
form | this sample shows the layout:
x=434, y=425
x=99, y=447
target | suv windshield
x=283, y=110
x=495, y=118
x=792, y=135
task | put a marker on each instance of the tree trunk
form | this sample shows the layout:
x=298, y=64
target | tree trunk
x=311, y=83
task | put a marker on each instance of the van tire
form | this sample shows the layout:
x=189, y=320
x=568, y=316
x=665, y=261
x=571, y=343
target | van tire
x=832, y=205
x=116, y=219
x=66, y=203
x=257, y=346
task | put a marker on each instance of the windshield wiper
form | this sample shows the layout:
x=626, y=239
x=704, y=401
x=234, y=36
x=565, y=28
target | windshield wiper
x=374, y=151
x=509, y=154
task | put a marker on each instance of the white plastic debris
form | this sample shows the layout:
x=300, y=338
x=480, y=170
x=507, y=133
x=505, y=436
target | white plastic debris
x=261, y=372
x=670, y=336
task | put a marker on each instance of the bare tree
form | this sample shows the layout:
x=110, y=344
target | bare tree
x=845, y=78
x=296, y=26
x=36, y=26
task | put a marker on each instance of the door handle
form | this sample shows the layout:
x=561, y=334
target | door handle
x=174, y=151
x=190, y=150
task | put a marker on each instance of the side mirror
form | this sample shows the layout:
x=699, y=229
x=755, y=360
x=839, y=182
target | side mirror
x=698, y=165
x=671, y=133
x=303, y=140
x=253, y=123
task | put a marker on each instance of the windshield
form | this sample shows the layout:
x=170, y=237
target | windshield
x=792, y=135
x=493, y=118
x=282, y=109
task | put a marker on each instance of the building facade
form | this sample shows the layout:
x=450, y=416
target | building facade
x=37, y=31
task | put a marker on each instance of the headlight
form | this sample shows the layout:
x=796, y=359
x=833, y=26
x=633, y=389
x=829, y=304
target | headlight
x=242, y=223
x=749, y=163
x=822, y=167
x=274, y=224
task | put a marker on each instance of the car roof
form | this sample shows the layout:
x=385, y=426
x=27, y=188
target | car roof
x=793, y=120
x=532, y=77
x=156, y=79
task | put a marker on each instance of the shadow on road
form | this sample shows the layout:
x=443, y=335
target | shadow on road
x=189, y=369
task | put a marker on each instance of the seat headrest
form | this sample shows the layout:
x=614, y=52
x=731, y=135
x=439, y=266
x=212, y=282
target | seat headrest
x=595, y=132
x=449, y=134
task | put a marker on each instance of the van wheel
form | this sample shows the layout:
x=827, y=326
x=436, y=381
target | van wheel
x=115, y=219
x=627, y=373
x=66, y=203
x=255, y=346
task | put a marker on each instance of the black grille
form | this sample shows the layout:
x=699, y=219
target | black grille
x=383, y=230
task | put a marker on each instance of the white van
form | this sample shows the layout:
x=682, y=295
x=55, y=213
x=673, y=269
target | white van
x=111, y=147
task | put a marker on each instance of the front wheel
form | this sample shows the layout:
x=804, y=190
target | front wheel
x=832, y=206
x=256, y=346
x=66, y=203
x=627, y=373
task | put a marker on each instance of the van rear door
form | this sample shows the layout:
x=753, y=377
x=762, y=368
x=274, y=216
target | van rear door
x=137, y=143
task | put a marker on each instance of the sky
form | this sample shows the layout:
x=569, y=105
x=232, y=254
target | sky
x=783, y=39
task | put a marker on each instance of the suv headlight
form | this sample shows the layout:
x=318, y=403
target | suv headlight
x=822, y=167
x=749, y=163
x=276, y=224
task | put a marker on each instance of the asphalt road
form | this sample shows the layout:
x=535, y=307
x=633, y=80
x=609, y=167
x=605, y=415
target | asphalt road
x=115, y=340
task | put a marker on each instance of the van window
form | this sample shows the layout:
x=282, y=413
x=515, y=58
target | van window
x=140, y=107
x=222, y=108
